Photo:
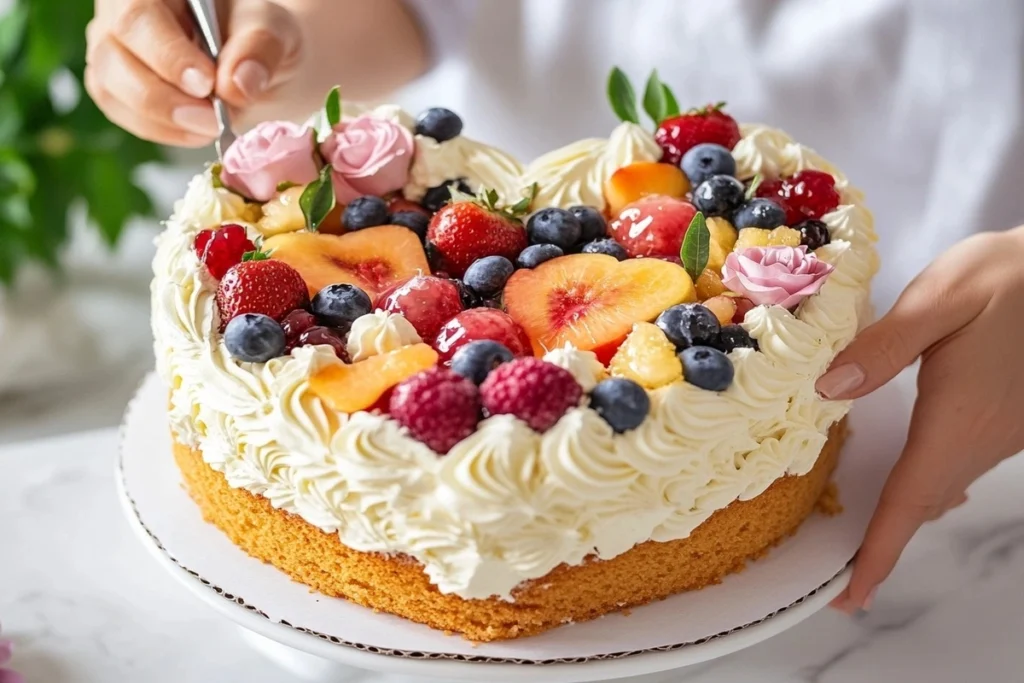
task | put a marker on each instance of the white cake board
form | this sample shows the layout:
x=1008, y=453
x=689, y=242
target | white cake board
x=796, y=580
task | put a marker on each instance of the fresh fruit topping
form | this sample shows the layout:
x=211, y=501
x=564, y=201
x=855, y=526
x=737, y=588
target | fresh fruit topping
x=735, y=337
x=752, y=237
x=653, y=226
x=709, y=284
x=439, y=408
x=759, y=213
x=554, y=226
x=339, y=305
x=272, y=288
x=348, y=388
x=743, y=306
x=399, y=204
x=678, y=135
x=724, y=308
x=417, y=221
x=719, y=195
x=536, y=254
x=536, y=392
x=373, y=259
x=427, y=302
x=436, y=197
x=592, y=300
x=222, y=248
x=722, y=233
x=707, y=368
x=808, y=194
x=607, y=247
x=282, y=213
x=365, y=212
x=254, y=338
x=439, y=123
x=705, y=160
x=688, y=325
x=647, y=357
x=643, y=179
x=476, y=360
x=784, y=237
x=592, y=223
x=813, y=234
x=487, y=276
x=324, y=336
x=294, y=324
x=469, y=229
x=481, y=323
x=621, y=402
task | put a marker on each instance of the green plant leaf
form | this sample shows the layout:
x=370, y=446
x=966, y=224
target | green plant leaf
x=317, y=200
x=654, y=98
x=696, y=247
x=332, y=107
x=671, y=103
x=622, y=96
x=12, y=33
x=111, y=196
x=752, y=188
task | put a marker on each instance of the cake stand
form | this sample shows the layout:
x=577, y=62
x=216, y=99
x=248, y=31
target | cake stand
x=321, y=638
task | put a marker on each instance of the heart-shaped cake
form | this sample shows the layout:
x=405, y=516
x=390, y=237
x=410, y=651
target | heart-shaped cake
x=496, y=398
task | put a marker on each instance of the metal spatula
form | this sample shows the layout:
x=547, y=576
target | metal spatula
x=206, y=19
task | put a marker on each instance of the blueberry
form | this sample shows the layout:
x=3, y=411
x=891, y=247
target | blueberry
x=608, y=247
x=814, y=234
x=439, y=123
x=414, y=220
x=434, y=257
x=622, y=403
x=591, y=221
x=759, y=213
x=365, y=212
x=254, y=338
x=734, y=337
x=536, y=254
x=719, y=195
x=339, y=305
x=688, y=325
x=475, y=360
x=707, y=160
x=437, y=197
x=707, y=368
x=554, y=226
x=487, y=276
x=468, y=297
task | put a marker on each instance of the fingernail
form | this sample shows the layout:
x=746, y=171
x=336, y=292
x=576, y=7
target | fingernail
x=870, y=599
x=251, y=78
x=196, y=83
x=199, y=120
x=840, y=381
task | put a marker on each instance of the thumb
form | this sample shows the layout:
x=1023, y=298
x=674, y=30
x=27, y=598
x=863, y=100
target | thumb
x=263, y=44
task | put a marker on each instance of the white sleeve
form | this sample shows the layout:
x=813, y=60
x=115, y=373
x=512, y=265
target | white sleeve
x=446, y=24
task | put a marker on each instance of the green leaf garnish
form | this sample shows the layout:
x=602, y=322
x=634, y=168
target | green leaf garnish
x=286, y=185
x=622, y=96
x=523, y=205
x=654, y=98
x=332, y=107
x=752, y=188
x=317, y=200
x=696, y=247
x=671, y=103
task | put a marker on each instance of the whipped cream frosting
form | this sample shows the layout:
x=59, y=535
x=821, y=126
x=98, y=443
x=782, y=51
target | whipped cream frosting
x=379, y=332
x=507, y=505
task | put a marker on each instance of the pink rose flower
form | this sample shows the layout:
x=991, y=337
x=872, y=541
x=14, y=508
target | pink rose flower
x=272, y=153
x=368, y=156
x=770, y=276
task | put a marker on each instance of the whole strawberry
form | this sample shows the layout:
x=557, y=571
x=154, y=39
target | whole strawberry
x=537, y=392
x=260, y=285
x=470, y=228
x=678, y=134
x=439, y=407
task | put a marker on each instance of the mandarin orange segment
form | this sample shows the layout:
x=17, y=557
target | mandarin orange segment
x=641, y=179
x=724, y=308
x=349, y=388
x=373, y=259
x=591, y=300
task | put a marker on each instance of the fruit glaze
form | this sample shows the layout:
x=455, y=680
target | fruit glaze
x=605, y=346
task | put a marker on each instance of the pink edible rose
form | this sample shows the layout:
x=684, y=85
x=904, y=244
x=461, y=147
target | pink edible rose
x=368, y=156
x=769, y=276
x=272, y=153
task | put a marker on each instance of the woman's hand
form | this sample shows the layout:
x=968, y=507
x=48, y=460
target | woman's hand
x=964, y=318
x=149, y=76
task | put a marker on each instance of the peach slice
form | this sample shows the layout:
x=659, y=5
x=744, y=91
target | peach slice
x=641, y=179
x=373, y=259
x=592, y=301
x=348, y=388
x=282, y=214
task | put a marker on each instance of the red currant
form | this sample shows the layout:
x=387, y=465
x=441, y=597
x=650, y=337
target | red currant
x=317, y=335
x=294, y=324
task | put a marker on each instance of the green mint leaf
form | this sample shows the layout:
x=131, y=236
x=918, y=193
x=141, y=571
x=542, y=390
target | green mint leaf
x=671, y=103
x=622, y=96
x=654, y=98
x=332, y=107
x=752, y=188
x=696, y=247
x=317, y=200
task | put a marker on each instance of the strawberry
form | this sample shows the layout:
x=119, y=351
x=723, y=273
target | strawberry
x=678, y=134
x=259, y=285
x=471, y=228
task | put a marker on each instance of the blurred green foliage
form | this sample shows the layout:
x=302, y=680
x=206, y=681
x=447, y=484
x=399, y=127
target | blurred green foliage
x=51, y=156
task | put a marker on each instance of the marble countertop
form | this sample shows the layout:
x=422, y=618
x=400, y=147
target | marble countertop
x=84, y=602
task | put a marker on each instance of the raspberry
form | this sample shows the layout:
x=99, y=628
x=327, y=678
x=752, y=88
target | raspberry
x=537, y=392
x=222, y=248
x=808, y=194
x=438, y=407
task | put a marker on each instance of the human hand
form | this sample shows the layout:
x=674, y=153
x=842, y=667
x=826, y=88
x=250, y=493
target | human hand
x=964, y=318
x=149, y=76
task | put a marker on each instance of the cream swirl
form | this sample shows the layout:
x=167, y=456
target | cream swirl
x=763, y=150
x=379, y=332
x=207, y=206
x=481, y=166
x=583, y=365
